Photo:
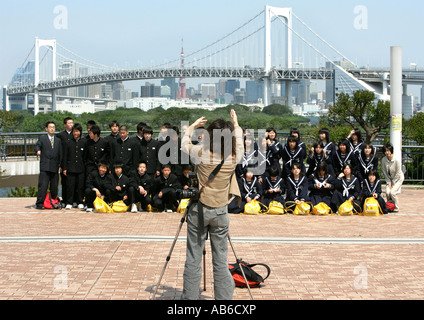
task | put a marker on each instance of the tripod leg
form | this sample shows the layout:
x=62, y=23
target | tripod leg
x=204, y=268
x=170, y=252
x=241, y=267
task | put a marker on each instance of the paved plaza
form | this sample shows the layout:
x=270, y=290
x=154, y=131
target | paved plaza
x=70, y=254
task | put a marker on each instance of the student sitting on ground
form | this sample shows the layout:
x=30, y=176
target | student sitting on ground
x=96, y=186
x=273, y=187
x=372, y=188
x=141, y=185
x=250, y=189
x=321, y=185
x=117, y=185
x=166, y=186
x=367, y=161
x=297, y=187
x=347, y=188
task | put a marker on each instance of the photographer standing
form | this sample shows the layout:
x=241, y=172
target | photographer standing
x=222, y=146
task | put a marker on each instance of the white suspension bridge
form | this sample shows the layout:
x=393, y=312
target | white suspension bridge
x=275, y=46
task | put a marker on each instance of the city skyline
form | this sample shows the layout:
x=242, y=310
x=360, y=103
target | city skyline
x=118, y=34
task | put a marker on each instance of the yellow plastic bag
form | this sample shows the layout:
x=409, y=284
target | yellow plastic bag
x=372, y=208
x=253, y=208
x=101, y=206
x=302, y=209
x=119, y=206
x=346, y=209
x=276, y=208
x=183, y=205
x=321, y=209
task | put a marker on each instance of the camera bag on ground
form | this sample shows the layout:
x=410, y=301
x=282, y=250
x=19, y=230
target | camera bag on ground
x=254, y=279
x=50, y=203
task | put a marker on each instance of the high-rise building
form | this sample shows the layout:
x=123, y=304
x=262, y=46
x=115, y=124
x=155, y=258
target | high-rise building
x=231, y=86
x=172, y=84
x=254, y=91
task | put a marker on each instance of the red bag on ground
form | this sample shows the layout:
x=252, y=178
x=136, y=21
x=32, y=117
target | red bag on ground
x=253, y=278
x=50, y=203
x=390, y=205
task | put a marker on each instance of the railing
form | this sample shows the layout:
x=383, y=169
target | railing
x=20, y=146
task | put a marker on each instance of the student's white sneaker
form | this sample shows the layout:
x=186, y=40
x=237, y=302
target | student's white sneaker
x=133, y=208
x=89, y=210
x=80, y=206
x=68, y=207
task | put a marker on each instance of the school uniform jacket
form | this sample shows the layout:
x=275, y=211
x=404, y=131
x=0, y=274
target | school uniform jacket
x=269, y=184
x=349, y=189
x=292, y=157
x=137, y=180
x=297, y=190
x=75, y=155
x=368, y=190
x=126, y=152
x=96, y=181
x=50, y=158
x=65, y=137
x=97, y=151
x=250, y=189
x=366, y=165
x=321, y=181
x=165, y=185
x=150, y=155
x=112, y=181
x=339, y=161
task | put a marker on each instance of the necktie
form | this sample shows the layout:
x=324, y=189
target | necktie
x=51, y=141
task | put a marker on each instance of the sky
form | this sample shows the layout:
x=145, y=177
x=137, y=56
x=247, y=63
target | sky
x=143, y=32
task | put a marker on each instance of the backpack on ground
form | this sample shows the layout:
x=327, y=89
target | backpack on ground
x=50, y=203
x=390, y=205
x=371, y=208
x=253, y=278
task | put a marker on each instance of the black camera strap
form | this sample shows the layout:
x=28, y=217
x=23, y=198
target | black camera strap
x=212, y=175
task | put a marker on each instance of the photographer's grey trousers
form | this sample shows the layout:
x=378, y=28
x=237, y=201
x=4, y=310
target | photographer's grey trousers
x=200, y=220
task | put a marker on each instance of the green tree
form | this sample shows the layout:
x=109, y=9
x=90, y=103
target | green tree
x=361, y=110
x=413, y=128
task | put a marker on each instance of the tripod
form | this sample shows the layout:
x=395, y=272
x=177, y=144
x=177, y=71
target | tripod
x=183, y=219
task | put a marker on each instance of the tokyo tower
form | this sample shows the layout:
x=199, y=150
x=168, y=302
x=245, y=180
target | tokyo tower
x=182, y=90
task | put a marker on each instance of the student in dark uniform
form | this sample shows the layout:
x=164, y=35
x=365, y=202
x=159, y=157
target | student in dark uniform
x=65, y=136
x=114, y=133
x=117, y=185
x=372, y=188
x=250, y=190
x=98, y=150
x=166, y=185
x=343, y=155
x=96, y=185
x=347, y=188
x=356, y=141
x=74, y=167
x=141, y=185
x=49, y=149
x=317, y=155
x=149, y=152
x=367, y=161
x=297, y=187
x=274, y=187
x=126, y=151
x=291, y=154
x=329, y=147
x=273, y=149
x=321, y=185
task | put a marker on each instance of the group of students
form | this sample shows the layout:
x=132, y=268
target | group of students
x=335, y=174
x=119, y=167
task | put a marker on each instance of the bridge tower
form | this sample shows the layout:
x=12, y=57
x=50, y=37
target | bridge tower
x=38, y=44
x=182, y=90
x=286, y=13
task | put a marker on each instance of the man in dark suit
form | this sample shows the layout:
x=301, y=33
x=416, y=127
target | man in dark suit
x=49, y=149
x=65, y=136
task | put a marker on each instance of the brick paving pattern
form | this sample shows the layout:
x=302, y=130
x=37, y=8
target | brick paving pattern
x=70, y=254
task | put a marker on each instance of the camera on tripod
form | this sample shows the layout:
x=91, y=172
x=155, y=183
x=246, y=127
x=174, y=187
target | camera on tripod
x=192, y=192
